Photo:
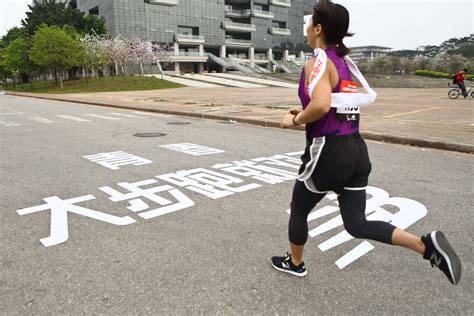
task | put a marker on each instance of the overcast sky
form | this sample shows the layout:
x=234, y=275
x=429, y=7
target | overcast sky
x=400, y=24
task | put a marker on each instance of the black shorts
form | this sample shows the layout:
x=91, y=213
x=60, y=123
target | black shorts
x=335, y=163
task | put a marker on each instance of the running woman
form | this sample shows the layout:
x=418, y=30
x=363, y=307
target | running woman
x=336, y=157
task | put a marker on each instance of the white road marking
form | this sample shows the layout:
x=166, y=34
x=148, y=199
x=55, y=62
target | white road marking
x=9, y=123
x=104, y=117
x=193, y=149
x=115, y=159
x=40, y=119
x=360, y=250
x=153, y=114
x=74, y=118
x=411, y=112
x=128, y=115
x=11, y=113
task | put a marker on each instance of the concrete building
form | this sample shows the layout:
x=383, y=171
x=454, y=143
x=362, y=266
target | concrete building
x=368, y=52
x=72, y=3
x=245, y=35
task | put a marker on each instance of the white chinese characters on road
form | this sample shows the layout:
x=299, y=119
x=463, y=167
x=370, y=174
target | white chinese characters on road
x=193, y=149
x=221, y=180
x=114, y=160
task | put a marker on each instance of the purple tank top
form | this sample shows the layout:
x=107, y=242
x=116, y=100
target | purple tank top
x=328, y=125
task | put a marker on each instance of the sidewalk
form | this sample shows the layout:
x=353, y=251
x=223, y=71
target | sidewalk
x=418, y=117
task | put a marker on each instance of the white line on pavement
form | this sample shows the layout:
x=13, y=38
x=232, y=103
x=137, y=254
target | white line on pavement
x=74, y=118
x=103, y=117
x=127, y=115
x=9, y=123
x=40, y=119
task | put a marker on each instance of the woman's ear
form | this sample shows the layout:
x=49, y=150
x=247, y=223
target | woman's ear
x=318, y=30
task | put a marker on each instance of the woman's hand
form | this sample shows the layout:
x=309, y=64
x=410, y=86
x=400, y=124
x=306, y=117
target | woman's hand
x=294, y=111
x=287, y=121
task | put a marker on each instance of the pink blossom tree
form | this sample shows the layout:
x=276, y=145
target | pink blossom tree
x=161, y=55
x=93, y=52
x=141, y=52
x=118, y=52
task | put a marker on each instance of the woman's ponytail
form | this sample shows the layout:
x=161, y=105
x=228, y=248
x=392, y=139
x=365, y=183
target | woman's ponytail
x=342, y=50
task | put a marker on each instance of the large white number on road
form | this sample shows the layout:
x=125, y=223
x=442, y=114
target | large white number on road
x=192, y=149
x=115, y=159
x=408, y=212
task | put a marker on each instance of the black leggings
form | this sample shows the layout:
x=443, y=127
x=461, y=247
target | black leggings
x=352, y=207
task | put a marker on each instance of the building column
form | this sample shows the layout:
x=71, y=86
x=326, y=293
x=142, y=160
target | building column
x=270, y=58
x=176, y=69
x=200, y=68
x=302, y=55
x=201, y=50
x=252, y=55
x=286, y=53
x=223, y=54
x=176, y=49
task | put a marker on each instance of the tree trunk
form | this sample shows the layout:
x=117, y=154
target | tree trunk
x=61, y=80
x=160, y=69
x=123, y=69
x=141, y=69
x=116, y=68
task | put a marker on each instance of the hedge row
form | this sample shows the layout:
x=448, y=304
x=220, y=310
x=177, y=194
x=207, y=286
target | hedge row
x=434, y=74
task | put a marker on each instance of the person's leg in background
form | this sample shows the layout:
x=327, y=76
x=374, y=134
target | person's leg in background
x=462, y=86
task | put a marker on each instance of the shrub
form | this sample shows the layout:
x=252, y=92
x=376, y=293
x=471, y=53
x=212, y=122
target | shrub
x=433, y=74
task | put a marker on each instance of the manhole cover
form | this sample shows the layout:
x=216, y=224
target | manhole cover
x=178, y=123
x=149, y=134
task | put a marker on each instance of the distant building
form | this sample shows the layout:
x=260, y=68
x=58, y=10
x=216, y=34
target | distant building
x=244, y=35
x=71, y=3
x=368, y=52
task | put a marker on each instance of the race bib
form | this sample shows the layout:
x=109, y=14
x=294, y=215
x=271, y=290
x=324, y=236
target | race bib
x=348, y=114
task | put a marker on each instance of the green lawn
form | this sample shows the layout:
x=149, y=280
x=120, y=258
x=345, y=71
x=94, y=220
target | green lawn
x=105, y=84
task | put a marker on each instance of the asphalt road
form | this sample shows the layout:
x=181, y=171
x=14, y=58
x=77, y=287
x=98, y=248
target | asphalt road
x=180, y=246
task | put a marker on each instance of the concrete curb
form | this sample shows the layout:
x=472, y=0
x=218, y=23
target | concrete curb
x=464, y=148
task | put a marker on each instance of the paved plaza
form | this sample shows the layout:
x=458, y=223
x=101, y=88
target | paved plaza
x=420, y=117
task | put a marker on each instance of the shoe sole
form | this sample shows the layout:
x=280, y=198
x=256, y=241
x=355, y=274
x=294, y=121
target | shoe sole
x=444, y=248
x=290, y=272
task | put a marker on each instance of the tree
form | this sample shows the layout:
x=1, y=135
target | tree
x=51, y=13
x=141, y=52
x=161, y=55
x=381, y=65
x=4, y=73
x=13, y=34
x=93, y=24
x=93, y=51
x=15, y=57
x=54, y=48
x=118, y=51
